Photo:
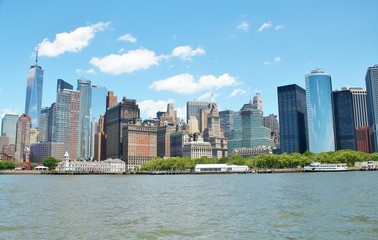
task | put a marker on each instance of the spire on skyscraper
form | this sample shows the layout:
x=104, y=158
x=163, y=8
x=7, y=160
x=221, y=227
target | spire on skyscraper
x=36, y=55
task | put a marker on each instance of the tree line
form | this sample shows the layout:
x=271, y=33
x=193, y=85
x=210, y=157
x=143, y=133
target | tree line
x=262, y=161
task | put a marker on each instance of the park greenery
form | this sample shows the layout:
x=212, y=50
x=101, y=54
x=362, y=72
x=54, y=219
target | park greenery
x=50, y=162
x=7, y=165
x=262, y=161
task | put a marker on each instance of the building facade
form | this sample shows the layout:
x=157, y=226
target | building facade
x=321, y=134
x=196, y=148
x=193, y=109
x=227, y=122
x=292, y=115
x=44, y=125
x=22, y=138
x=371, y=79
x=139, y=145
x=39, y=151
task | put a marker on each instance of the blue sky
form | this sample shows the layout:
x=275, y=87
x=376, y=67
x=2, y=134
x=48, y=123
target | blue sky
x=174, y=51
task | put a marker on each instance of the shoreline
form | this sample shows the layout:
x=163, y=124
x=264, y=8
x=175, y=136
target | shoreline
x=258, y=171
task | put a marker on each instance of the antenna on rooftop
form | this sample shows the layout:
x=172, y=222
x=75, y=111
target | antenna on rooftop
x=36, y=55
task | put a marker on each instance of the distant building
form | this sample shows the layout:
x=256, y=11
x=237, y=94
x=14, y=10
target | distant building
x=9, y=127
x=168, y=117
x=22, y=138
x=139, y=145
x=85, y=89
x=164, y=140
x=371, y=80
x=292, y=115
x=254, y=151
x=220, y=168
x=111, y=99
x=51, y=123
x=272, y=123
x=61, y=85
x=99, y=149
x=321, y=134
x=227, y=122
x=249, y=130
x=196, y=148
x=34, y=87
x=39, y=151
x=33, y=135
x=193, y=108
x=44, y=125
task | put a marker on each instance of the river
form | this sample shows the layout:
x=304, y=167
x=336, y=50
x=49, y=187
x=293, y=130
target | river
x=231, y=206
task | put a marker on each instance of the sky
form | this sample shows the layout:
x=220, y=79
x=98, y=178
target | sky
x=158, y=52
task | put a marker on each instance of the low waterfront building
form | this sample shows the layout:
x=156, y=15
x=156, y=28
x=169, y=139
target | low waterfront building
x=372, y=165
x=108, y=166
x=220, y=168
x=253, y=151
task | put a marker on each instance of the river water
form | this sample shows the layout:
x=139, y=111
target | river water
x=232, y=206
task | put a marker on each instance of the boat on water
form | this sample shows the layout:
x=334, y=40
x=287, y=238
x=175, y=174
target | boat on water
x=327, y=167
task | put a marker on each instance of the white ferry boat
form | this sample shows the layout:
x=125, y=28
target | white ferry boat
x=319, y=167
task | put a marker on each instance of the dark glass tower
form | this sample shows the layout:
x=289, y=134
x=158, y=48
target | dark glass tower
x=292, y=115
x=350, y=113
x=371, y=79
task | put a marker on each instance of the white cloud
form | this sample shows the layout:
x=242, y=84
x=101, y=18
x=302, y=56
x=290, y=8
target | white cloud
x=70, y=41
x=265, y=26
x=205, y=96
x=89, y=71
x=131, y=61
x=121, y=50
x=237, y=92
x=186, y=52
x=243, y=26
x=9, y=111
x=278, y=27
x=78, y=71
x=186, y=84
x=151, y=107
x=275, y=60
x=127, y=38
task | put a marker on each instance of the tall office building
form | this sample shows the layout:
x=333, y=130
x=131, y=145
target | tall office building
x=321, y=134
x=51, y=123
x=272, y=123
x=99, y=149
x=98, y=104
x=214, y=133
x=350, y=113
x=44, y=125
x=61, y=85
x=193, y=108
x=85, y=89
x=292, y=115
x=9, y=127
x=116, y=117
x=227, y=122
x=22, y=138
x=67, y=121
x=34, y=89
x=257, y=102
x=371, y=80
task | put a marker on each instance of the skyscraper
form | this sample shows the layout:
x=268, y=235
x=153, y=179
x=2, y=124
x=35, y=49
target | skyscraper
x=34, y=89
x=85, y=89
x=67, y=121
x=22, y=138
x=61, y=85
x=321, y=136
x=44, y=125
x=292, y=115
x=350, y=113
x=51, y=123
x=227, y=122
x=116, y=117
x=111, y=99
x=98, y=101
x=193, y=108
x=371, y=80
x=9, y=127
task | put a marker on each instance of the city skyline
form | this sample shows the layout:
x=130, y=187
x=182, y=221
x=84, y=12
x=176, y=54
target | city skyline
x=177, y=52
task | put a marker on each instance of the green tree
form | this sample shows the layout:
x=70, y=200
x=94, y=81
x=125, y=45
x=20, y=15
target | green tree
x=50, y=162
x=7, y=165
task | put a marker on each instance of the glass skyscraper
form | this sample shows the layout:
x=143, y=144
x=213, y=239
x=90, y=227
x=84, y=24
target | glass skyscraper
x=98, y=107
x=85, y=89
x=321, y=137
x=34, y=89
x=9, y=127
x=371, y=79
x=292, y=115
